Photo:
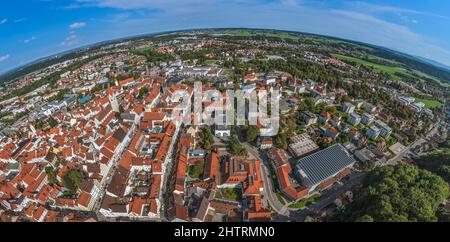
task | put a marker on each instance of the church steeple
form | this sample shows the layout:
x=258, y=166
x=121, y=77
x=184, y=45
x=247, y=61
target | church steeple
x=113, y=99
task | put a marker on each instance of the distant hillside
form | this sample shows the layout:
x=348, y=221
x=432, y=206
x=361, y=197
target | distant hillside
x=414, y=63
x=435, y=63
x=421, y=64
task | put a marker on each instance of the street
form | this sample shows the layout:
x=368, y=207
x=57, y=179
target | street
x=401, y=155
x=269, y=189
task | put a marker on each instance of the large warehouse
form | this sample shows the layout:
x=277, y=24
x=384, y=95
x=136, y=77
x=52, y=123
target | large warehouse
x=321, y=169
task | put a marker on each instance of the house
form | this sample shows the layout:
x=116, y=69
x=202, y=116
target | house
x=370, y=108
x=373, y=132
x=348, y=108
x=250, y=78
x=299, y=88
x=329, y=132
x=417, y=107
x=354, y=119
x=211, y=171
x=324, y=117
x=385, y=130
x=406, y=101
x=222, y=130
x=309, y=118
x=367, y=119
x=278, y=157
x=365, y=155
x=270, y=80
x=288, y=185
x=265, y=142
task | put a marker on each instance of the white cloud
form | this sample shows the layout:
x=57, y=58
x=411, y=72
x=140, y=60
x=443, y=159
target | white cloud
x=139, y=4
x=71, y=40
x=407, y=19
x=4, y=57
x=29, y=40
x=77, y=25
x=369, y=7
x=3, y=21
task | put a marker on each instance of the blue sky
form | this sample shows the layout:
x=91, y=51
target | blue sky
x=30, y=29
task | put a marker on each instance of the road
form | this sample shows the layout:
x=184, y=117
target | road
x=401, y=155
x=269, y=189
x=328, y=197
x=168, y=174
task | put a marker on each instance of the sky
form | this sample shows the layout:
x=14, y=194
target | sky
x=32, y=29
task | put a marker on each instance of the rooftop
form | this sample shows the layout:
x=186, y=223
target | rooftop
x=321, y=165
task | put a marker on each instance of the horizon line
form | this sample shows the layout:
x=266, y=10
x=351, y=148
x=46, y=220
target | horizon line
x=101, y=42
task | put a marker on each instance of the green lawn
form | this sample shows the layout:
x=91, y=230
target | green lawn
x=233, y=194
x=430, y=103
x=209, y=62
x=196, y=171
x=305, y=202
x=280, y=198
x=392, y=70
x=376, y=58
x=240, y=33
x=378, y=68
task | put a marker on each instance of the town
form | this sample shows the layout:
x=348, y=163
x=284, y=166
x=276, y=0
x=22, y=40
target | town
x=93, y=138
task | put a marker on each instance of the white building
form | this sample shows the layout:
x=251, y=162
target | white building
x=348, y=108
x=354, y=119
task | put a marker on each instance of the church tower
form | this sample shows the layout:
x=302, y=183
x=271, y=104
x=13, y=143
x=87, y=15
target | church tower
x=113, y=100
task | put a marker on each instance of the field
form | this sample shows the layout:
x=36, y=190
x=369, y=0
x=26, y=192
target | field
x=248, y=33
x=430, y=103
x=378, y=68
x=392, y=70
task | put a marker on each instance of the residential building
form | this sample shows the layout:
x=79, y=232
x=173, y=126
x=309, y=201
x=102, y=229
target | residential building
x=348, y=107
x=373, y=132
x=354, y=119
x=367, y=119
x=309, y=118
x=385, y=130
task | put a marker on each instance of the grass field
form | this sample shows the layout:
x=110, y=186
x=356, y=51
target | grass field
x=378, y=68
x=305, y=202
x=388, y=69
x=280, y=198
x=430, y=103
x=209, y=62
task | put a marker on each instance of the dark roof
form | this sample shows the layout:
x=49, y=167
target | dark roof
x=324, y=164
x=119, y=135
x=118, y=182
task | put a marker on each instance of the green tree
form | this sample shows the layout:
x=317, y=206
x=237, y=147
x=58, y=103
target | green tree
x=365, y=218
x=51, y=175
x=72, y=180
x=398, y=193
x=235, y=146
x=207, y=138
x=251, y=133
x=281, y=141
